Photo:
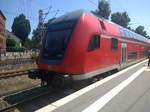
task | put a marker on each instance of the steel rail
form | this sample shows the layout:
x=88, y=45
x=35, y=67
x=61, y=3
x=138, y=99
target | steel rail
x=25, y=100
x=6, y=75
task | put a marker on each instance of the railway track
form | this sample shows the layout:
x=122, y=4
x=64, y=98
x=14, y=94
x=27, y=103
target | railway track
x=13, y=102
x=10, y=102
x=6, y=75
x=28, y=97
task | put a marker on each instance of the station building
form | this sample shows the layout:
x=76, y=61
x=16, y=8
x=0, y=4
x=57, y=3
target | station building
x=2, y=32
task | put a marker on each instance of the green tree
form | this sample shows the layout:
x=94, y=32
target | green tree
x=148, y=37
x=121, y=19
x=21, y=27
x=140, y=30
x=103, y=9
x=10, y=43
x=28, y=44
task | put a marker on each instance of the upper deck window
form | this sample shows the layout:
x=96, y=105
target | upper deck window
x=94, y=43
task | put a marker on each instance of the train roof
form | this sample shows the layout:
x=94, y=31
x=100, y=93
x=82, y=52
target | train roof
x=74, y=15
x=128, y=34
x=125, y=33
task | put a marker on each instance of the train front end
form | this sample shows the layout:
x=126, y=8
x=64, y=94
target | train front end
x=62, y=52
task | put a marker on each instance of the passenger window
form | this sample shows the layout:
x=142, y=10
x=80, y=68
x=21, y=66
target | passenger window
x=114, y=44
x=94, y=43
x=122, y=33
x=132, y=56
x=127, y=34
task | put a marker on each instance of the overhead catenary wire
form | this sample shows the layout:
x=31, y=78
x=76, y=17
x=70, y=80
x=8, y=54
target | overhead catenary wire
x=47, y=12
x=93, y=3
x=56, y=13
x=15, y=14
x=31, y=17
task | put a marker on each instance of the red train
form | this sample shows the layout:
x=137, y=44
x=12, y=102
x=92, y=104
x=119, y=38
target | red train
x=79, y=46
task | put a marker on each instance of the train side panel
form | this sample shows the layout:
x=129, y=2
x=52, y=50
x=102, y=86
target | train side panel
x=104, y=56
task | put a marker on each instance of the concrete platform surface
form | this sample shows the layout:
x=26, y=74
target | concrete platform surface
x=125, y=91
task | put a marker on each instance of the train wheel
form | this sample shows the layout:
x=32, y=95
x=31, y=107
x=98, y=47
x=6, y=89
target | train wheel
x=43, y=83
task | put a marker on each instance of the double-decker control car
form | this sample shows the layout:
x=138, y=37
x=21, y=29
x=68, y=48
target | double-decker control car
x=80, y=46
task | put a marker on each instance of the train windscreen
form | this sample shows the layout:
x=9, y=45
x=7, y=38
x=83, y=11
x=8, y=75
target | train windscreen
x=56, y=40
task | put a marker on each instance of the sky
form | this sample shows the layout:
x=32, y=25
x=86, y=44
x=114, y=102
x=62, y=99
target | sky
x=136, y=9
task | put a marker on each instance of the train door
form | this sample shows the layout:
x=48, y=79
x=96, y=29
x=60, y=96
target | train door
x=123, y=53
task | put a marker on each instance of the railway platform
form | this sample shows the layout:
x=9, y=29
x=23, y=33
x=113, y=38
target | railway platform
x=124, y=91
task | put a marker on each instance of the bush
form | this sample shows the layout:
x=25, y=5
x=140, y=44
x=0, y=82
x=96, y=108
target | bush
x=13, y=46
x=10, y=42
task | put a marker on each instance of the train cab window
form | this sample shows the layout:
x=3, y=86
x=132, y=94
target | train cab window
x=94, y=43
x=114, y=44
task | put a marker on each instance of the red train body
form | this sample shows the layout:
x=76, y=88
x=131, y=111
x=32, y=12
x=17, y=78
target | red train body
x=81, y=45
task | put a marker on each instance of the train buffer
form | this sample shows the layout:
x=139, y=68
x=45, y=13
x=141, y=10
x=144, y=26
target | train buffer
x=124, y=91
